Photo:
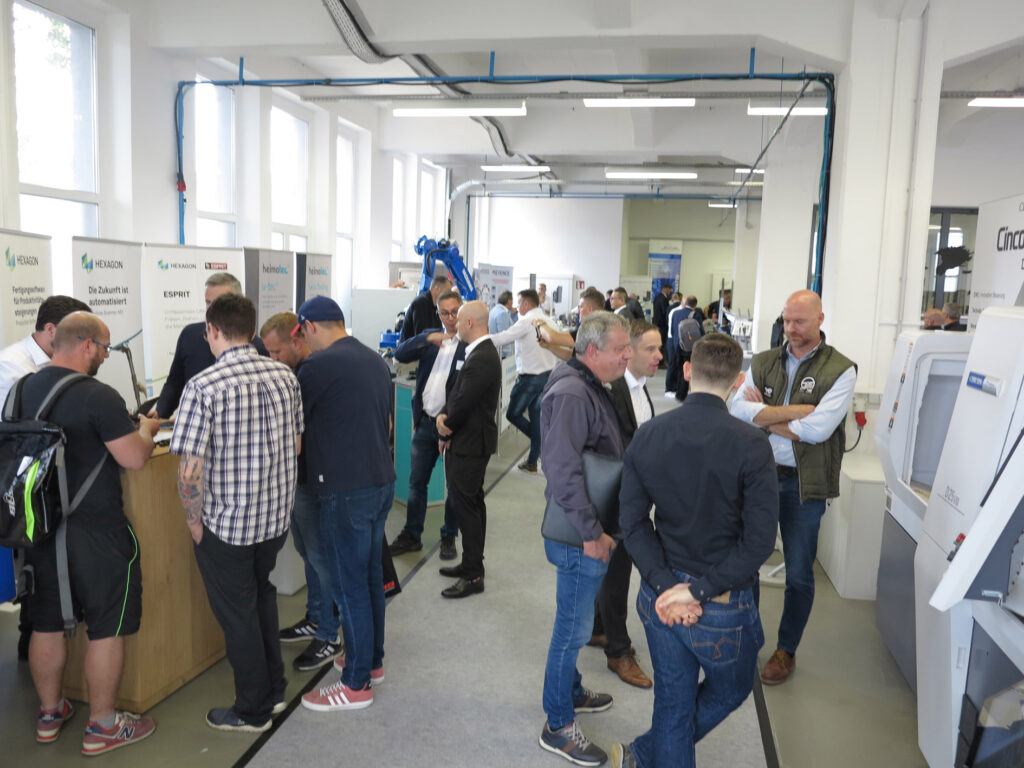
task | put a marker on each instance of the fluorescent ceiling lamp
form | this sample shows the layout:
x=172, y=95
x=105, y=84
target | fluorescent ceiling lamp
x=798, y=111
x=457, y=109
x=516, y=168
x=647, y=173
x=713, y=204
x=747, y=170
x=631, y=103
x=748, y=184
x=997, y=101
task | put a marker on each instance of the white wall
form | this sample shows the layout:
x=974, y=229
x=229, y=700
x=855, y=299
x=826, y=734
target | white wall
x=553, y=235
x=977, y=161
x=746, y=240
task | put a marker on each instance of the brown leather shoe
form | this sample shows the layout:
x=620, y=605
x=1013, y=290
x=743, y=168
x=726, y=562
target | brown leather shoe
x=598, y=641
x=629, y=671
x=779, y=667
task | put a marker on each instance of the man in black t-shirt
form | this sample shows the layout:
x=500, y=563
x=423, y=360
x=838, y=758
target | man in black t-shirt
x=103, y=554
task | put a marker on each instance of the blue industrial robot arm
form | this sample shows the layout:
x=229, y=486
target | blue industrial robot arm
x=448, y=252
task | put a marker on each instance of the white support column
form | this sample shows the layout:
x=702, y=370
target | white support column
x=746, y=242
x=9, y=209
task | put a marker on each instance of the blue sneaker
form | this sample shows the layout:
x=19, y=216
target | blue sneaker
x=226, y=719
x=48, y=724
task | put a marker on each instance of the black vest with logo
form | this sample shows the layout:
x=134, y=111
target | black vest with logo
x=817, y=465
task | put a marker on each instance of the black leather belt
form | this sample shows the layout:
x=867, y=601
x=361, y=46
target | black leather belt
x=785, y=471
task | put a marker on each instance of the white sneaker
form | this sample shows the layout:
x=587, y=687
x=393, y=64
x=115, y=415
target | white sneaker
x=671, y=395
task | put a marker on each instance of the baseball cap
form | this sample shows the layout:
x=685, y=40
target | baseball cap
x=318, y=309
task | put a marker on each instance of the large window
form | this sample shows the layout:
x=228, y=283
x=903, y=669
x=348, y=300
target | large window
x=947, y=278
x=398, y=209
x=345, y=176
x=215, y=165
x=433, y=205
x=55, y=95
x=289, y=180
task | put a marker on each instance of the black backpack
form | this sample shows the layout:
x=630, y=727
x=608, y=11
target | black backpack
x=689, y=331
x=33, y=480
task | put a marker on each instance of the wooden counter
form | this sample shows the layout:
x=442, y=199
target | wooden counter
x=179, y=636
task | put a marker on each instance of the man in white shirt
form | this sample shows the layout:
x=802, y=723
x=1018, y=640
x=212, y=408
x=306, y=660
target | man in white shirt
x=533, y=364
x=34, y=351
x=28, y=356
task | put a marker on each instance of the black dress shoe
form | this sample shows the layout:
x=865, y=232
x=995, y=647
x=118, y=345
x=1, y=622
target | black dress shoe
x=451, y=571
x=464, y=588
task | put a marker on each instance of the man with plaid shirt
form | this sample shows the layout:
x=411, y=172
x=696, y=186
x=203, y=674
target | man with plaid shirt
x=238, y=432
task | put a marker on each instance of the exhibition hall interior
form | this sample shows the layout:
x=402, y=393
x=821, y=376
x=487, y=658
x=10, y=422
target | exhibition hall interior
x=866, y=150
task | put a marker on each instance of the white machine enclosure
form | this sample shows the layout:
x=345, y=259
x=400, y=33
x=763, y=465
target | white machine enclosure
x=986, y=420
x=913, y=422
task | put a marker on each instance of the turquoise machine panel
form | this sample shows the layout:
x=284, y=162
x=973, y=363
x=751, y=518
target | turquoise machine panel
x=403, y=444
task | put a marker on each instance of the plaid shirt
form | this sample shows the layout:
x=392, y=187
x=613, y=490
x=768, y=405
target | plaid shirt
x=241, y=415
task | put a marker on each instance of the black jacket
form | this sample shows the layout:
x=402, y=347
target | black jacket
x=659, y=315
x=473, y=403
x=418, y=348
x=420, y=315
x=624, y=408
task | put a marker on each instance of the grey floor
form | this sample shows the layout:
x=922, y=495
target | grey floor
x=463, y=678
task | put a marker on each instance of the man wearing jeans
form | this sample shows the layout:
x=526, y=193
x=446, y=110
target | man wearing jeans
x=348, y=403
x=800, y=394
x=577, y=415
x=440, y=354
x=237, y=432
x=533, y=364
x=711, y=479
x=319, y=627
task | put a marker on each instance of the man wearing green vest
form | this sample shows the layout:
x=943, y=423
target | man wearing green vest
x=799, y=393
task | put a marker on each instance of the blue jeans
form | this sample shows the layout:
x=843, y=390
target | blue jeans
x=352, y=526
x=308, y=543
x=423, y=457
x=579, y=581
x=798, y=524
x=525, y=396
x=724, y=643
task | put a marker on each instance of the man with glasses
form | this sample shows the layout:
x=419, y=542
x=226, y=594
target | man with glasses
x=440, y=354
x=103, y=555
x=192, y=354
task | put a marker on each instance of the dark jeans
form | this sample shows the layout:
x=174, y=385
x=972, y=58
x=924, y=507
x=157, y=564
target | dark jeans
x=466, y=487
x=724, y=644
x=613, y=604
x=237, y=580
x=525, y=396
x=306, y=535
x=352, y=525
x=672, y=374
x=423, y=457
x=798, y=524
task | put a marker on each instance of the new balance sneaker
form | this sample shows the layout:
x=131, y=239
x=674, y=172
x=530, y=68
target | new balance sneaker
x=376, y=675
x=337, y=697
x=298, y=632
x=592, y=702
x=48, y=724
x=317, y=654
x=570, y=743
x=226, y=719
x=128, y=729
x=405, y=543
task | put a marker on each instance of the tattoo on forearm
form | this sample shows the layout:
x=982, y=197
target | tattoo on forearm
x=190, y=487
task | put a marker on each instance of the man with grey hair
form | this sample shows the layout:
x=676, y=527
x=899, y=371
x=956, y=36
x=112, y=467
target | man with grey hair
x=577, y=415
x=192, y=353
x=951, y=310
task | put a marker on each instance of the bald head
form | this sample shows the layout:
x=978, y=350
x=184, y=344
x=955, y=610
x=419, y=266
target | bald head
x=802, y=318
x=472, y=321
x=79, y=343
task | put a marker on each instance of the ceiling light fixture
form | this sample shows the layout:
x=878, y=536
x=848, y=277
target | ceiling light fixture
x=459, y=109
x=769, y=109
x=713, y=204
x=997, y=101
x=647, y=173
x=748, y=184
x=748, y=170
x=515, y=168
x=633, y=103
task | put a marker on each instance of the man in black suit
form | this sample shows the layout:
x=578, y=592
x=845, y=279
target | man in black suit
x=192, y=353
x=468, y=427
x=422, y=312
x=659, y=315
x=633, y=407
x=440, y=354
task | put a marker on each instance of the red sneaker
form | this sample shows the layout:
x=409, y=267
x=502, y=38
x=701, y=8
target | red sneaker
x=128, y=729
x=48, y=724
x=376, y=675
x=336, y=697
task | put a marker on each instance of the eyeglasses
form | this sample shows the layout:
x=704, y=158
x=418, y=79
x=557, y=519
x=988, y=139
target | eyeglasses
x=107, y=347
x=446, y=313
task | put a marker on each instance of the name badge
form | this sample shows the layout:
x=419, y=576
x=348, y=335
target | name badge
x=459, y=364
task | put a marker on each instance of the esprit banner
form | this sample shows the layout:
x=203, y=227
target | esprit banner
x=270, y=281
x=107, y=275
x=173, y=282
x=998, y=277
x=27, y=281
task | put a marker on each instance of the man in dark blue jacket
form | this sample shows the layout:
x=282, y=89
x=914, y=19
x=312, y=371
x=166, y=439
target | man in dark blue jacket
x=440, y=354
